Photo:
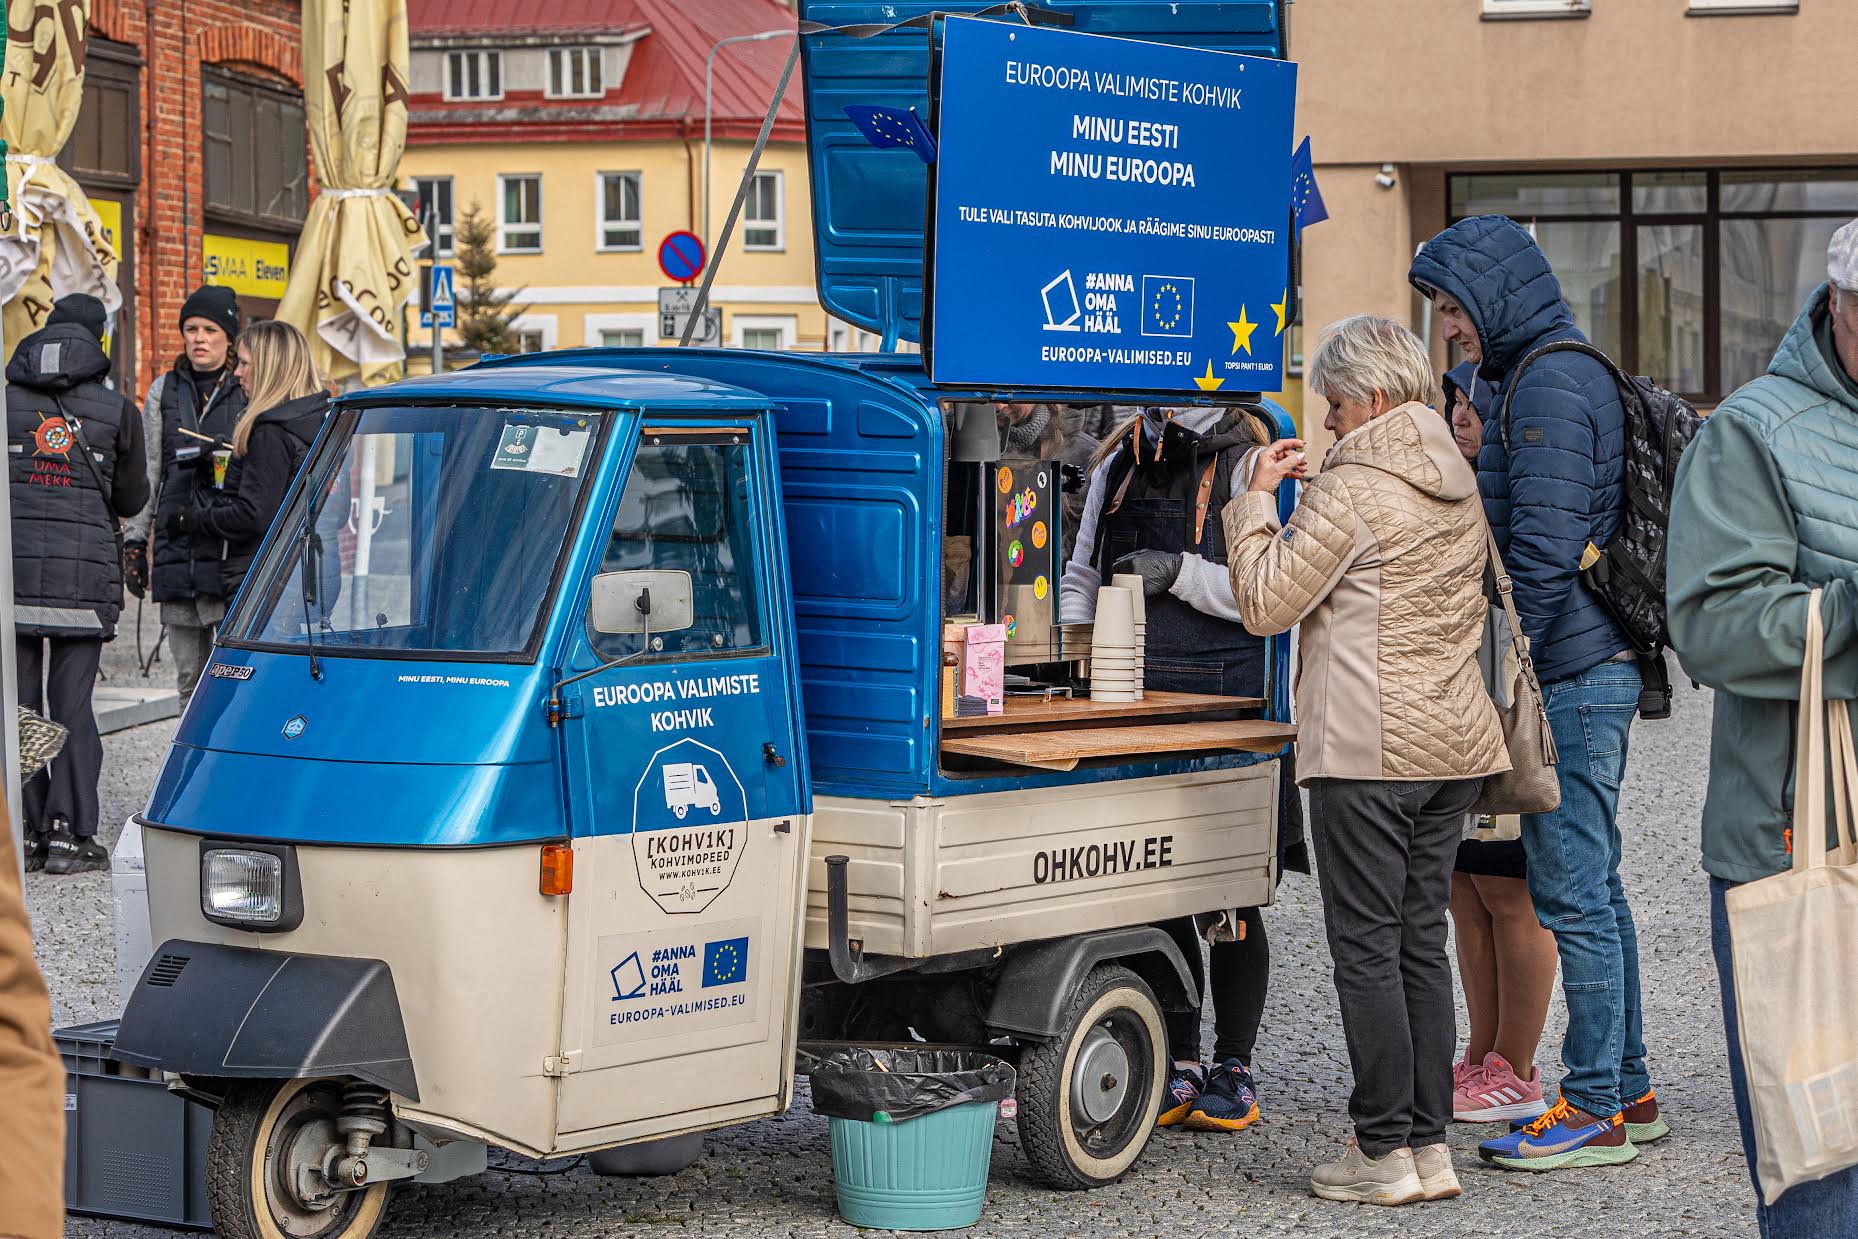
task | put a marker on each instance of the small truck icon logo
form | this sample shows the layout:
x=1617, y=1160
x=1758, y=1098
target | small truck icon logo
x=687, y=786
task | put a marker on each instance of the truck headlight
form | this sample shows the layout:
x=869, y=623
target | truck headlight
x=253, y=887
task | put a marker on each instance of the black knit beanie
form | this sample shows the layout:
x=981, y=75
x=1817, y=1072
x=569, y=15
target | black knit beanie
x=215, y=304
x=81, y=309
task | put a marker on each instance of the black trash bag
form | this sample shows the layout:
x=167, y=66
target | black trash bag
x=889, y=1086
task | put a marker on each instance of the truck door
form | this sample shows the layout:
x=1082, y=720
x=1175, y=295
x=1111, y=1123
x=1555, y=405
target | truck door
x=689, y=841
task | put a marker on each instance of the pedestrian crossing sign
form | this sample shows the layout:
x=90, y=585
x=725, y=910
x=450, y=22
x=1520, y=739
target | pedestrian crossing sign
x=438, y=307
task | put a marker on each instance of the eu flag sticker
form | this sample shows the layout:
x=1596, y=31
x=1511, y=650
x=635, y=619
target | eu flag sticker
x=1168, y=305
x=725, y=962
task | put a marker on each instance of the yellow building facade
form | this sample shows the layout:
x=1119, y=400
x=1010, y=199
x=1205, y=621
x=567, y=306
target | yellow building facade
x=587, y=131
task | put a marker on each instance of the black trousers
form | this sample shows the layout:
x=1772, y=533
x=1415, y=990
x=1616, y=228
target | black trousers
x=1237, y=975
x=1384, y=854
x=59, y=687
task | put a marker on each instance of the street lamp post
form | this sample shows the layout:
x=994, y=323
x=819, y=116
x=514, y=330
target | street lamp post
x=709, y=72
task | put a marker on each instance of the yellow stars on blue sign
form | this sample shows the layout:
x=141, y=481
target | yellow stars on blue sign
x=1281, y=307
x=1206, y=382
x=1169, y=306
x=1242, y=332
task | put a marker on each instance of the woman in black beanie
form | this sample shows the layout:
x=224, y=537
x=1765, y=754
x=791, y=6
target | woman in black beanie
x=189, y=413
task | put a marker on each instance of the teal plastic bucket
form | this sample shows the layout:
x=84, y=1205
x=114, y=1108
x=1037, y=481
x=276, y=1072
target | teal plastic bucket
x=925, y=1173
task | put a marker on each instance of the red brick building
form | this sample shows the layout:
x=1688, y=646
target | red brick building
x=192, y=140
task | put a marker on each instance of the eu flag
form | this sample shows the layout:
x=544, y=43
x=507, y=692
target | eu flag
x=1168, y=305
x=1306, y=201
x=888, y=128
x=725, y=962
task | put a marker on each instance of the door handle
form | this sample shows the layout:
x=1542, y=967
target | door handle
x=772, y=755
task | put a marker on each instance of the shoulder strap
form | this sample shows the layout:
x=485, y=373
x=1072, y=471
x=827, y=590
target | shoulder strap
x=1558, y=346
x=76, y=427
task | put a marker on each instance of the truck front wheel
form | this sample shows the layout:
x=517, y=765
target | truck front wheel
x=269, y=1142
x=1088, y=1097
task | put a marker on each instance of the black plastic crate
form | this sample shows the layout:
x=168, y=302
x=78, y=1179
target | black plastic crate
x=133, y=1150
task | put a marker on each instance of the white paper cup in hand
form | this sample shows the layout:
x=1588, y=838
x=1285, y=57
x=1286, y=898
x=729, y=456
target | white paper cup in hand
x=1132, y=581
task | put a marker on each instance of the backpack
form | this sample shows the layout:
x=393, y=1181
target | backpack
x=1627, y=574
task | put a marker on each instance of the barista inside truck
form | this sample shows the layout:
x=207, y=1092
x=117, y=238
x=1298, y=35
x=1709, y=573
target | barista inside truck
x=1153, y=508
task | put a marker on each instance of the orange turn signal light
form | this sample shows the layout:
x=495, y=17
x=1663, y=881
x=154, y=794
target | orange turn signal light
x=557, y=868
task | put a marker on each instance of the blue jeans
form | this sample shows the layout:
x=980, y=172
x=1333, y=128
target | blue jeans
x=1574, y=883
x=1824, y=1209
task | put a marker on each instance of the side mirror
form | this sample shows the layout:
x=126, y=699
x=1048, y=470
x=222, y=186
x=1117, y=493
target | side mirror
x=650, y=600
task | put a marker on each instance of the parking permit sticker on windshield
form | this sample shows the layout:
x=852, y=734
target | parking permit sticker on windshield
x=540, y=449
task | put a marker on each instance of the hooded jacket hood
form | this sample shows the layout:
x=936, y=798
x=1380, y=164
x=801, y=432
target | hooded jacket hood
x=1491, y=266
x=1801, y=358
x=1414, y=444
x=301, y=417
x=58, y=358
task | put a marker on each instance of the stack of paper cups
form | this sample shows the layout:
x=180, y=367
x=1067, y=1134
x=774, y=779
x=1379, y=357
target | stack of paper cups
x=1133, y=583
x=1115, y=674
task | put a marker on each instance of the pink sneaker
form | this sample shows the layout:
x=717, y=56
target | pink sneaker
x=1464, y=1072
x=1497, y=1094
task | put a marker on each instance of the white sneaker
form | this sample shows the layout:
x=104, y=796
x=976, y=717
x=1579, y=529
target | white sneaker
x=1433, y=1164
x=1388, y=1180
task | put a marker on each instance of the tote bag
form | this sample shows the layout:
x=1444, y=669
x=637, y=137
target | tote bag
x=1530, y=785
x=1796, y=982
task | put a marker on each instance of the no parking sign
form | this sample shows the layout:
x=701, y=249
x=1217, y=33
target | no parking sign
x=680, y=256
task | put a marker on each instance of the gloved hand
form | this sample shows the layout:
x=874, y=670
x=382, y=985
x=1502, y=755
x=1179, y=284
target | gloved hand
x=1158, y=570
x=135, y=567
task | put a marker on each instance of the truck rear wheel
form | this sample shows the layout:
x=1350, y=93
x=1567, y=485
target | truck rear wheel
x=266, y=1135
x=1088, y=1097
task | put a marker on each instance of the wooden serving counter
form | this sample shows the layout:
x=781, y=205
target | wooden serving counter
x=1058, y=733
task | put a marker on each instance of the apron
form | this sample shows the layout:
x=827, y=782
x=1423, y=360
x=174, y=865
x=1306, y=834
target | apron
x=1171, y=502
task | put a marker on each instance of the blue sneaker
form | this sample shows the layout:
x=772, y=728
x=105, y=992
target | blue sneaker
x=1562, y=1139
x=1185, y=1085
x=1230, y=1102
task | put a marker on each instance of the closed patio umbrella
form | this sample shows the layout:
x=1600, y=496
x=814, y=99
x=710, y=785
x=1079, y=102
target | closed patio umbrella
x=56, y=245
x=353, y=270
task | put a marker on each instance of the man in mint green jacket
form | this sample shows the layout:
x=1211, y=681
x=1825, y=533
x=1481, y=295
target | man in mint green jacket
x=1766, y=510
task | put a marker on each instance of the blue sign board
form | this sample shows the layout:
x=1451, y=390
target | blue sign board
x=439, y=305
x=1109, y=214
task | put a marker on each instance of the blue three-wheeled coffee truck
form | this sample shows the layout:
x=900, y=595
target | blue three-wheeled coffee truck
x=581, y=745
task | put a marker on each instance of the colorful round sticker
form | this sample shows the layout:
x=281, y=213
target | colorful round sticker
x=1038, y=536
x=1015, y=553
x=1004, y=480
x=1012, y=627
x=1040, y=588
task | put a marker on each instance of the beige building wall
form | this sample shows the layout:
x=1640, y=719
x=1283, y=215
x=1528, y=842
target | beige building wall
x=1435, y=86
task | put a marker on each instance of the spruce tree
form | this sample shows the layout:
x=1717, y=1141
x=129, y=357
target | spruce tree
x=484, y=313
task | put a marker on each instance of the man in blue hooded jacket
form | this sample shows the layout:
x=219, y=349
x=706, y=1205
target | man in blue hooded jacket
x=1552, y=475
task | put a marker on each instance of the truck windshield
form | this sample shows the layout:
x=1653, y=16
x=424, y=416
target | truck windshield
x=429, y=532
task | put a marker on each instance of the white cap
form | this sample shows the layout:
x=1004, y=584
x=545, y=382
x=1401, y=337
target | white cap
x=1842, y=257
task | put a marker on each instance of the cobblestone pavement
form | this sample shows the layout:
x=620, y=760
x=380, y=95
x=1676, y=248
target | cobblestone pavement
x=774, y=1177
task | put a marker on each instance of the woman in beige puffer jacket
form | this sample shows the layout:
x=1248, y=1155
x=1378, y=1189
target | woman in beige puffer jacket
x=1381, y=568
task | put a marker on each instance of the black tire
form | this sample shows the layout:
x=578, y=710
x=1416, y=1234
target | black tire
x=1068, y=1148
x=245, y=1188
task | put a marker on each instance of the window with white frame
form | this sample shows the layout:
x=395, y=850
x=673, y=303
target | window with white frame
x=764, y=331
x=620, y=226
x=474, y=75
x=619, y=330
x=531, y=342
x=1538, y=8
x=435, y=208
x=764, y=227
x=519, y=213
x=1744, y=6
x=574, y=73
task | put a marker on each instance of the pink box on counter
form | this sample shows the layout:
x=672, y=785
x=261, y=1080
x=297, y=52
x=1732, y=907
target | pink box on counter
x=983, y=665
